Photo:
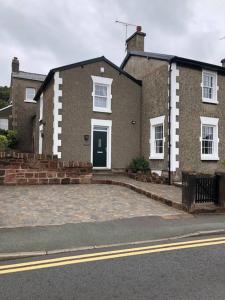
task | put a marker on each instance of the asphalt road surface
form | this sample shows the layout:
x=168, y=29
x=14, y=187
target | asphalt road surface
x=182, y=269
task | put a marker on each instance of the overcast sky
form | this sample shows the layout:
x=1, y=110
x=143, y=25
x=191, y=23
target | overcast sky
x=46, y=34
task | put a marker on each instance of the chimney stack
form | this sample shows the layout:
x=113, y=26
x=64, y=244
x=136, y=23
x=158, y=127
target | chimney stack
x=223, y=62
x=136, y=41
x=15, y=65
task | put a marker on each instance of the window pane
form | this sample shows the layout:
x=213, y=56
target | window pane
x=207, y=92
x=100, y=102
x=159, y=146
x=100, y=90
x=30, y=93
x=159, y=132
x=207, y=147
x=207, y=132
x=208, y=80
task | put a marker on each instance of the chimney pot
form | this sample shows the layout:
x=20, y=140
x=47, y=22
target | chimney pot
x=15, y=65
x=138, y=28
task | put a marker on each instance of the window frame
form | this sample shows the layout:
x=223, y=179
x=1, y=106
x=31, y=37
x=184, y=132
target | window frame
x=29, y=100
x=154, y=122
x=214, y=99
x=211, y=122
x=97, y=80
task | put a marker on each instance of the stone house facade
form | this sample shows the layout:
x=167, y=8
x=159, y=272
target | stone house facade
x=24, y=86
x=167, y=108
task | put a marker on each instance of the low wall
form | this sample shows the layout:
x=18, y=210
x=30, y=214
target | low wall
x=26, y=168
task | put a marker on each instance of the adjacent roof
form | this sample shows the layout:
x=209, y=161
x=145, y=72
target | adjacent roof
x=6, y=107
x=30, y=76
x=173, y=58
x=80, y=64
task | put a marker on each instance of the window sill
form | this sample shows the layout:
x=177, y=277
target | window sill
x=30, y=101
x=205, y=100
x=159, y=157
x=212, y=158
x=102, y=110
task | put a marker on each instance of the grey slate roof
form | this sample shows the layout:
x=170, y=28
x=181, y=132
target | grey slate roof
x=30, y=76
x=173, y=58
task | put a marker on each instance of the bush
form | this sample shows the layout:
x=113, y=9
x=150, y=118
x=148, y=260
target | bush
x=3, y=143
x=12, y=139
x=139, y=164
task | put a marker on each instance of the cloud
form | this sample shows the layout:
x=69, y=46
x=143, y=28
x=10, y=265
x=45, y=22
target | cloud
x=47, y=34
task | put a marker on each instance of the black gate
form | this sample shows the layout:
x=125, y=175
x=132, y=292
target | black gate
x=199, y=188
x=206, y=189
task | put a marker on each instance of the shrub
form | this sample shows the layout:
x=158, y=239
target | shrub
x=12, y=138
x=3, y=132
x=3, y=143
x=139, y=164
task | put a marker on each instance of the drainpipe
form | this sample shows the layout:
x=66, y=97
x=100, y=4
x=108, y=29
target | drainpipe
x=169, y=125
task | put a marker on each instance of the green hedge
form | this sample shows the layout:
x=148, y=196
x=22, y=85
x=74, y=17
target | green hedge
x=8, y=139
x=139, y=164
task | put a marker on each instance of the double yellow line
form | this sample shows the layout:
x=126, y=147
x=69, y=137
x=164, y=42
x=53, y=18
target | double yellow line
x=106, y=255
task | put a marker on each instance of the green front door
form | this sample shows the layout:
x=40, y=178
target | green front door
x=99, y=149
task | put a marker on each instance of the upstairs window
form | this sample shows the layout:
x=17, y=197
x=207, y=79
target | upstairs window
x=30, y=93
x=102, y=94
x=209, y=138
x=209, y=87
x=157, y=138
x=100, y=98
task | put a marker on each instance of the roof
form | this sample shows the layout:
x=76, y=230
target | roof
x=79, y=64
x=173, y=58
x=6, y=107
x=30, y=76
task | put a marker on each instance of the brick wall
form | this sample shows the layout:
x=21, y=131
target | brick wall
x=26, y=168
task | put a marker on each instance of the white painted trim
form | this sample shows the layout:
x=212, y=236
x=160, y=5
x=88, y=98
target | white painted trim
x=56, y=116
x=215, y=87
x=40, y=140
x=211, y=122
x=154, y=122
x=174, y=163
x=105, y=81
x=30, y=101
x=108, y=125
x=1, y=109
x=41, y=108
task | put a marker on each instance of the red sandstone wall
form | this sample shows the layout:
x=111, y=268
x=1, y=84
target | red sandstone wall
x=26, y=168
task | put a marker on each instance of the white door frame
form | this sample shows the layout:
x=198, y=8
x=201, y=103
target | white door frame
x=108, y=125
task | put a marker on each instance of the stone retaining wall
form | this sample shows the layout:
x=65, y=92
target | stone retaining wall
x=27, y=168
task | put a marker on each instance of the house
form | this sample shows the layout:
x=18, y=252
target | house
x=24, y=86
x=6, y=117
x=167, y=108
x=90, y=111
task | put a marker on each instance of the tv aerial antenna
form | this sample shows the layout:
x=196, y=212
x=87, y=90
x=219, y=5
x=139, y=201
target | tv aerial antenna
x=126, y=25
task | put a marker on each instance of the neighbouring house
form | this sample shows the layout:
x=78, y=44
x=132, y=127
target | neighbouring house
x=6, y=117
x=167, y=108
x=24, y=86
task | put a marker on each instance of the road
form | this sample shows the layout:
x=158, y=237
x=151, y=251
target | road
x=182, y=269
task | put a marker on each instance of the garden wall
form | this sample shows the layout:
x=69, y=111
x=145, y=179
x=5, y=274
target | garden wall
x=27, y=169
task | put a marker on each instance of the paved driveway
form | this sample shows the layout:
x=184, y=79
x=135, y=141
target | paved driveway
x=60, y=204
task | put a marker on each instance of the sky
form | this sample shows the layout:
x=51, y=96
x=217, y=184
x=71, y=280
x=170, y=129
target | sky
x=47, y=34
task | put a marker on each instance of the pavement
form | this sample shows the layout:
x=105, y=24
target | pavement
x=182, y=270
x=16, y=242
